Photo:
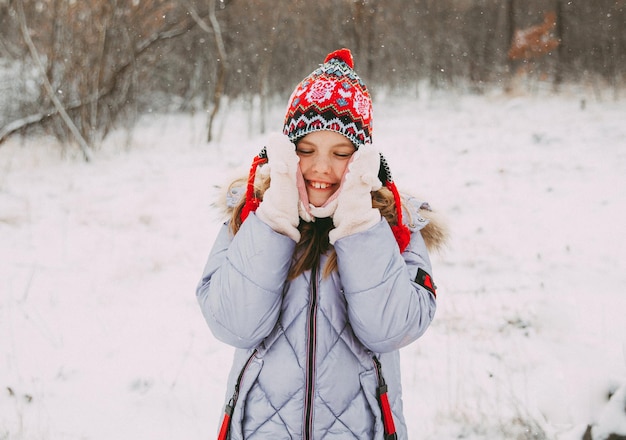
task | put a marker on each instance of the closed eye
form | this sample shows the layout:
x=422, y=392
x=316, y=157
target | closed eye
x=344, y=155
x=304, y=151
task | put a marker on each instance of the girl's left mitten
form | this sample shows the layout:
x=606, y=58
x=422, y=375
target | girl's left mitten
x=354, y=212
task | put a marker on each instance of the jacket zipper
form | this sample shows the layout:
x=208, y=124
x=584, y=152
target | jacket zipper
x=311, y=349
x=228, y=411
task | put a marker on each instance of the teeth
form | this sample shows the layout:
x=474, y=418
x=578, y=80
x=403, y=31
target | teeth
x=320, y=185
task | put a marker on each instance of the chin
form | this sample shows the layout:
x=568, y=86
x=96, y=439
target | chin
x=318, y=198
x=317, y=201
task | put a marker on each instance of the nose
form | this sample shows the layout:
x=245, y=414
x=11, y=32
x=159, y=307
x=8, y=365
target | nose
x=322, y=164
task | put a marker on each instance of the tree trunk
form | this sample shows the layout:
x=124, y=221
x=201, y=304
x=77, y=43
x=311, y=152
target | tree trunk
x=558, y=73
x=510, y=32
x=57, y=104
x=221, y=68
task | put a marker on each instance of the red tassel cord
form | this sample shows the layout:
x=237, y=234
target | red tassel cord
x=252, y=202
x=400, y=230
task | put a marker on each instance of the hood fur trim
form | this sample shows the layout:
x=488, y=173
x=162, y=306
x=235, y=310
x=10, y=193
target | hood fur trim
x=436, y=232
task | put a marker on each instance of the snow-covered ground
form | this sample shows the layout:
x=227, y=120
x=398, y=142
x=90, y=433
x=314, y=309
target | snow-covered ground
x=101, y=336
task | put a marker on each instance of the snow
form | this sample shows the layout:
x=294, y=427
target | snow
x=101, y=336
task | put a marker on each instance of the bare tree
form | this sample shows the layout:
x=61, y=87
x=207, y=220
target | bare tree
x=94, y=54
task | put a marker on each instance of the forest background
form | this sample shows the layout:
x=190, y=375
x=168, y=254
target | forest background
x=77, y=69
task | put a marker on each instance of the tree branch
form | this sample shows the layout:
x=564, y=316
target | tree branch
x=57, y=104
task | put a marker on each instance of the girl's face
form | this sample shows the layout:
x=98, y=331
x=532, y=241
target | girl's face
x=324, y=156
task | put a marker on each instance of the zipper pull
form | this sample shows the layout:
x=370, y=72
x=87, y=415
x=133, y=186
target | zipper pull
x=228, y=412
x=383, y=400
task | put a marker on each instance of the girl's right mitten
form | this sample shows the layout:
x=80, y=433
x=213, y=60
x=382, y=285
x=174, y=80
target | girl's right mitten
x=279, y=208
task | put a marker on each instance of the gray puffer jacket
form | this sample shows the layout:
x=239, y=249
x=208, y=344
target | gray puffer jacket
x=305, y=364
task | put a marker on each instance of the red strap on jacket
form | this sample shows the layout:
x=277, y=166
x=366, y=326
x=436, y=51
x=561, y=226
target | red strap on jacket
x=385, y=408
x=383, y=401
x=228, y=412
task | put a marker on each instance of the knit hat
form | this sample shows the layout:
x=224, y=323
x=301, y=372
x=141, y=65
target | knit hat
x=333, y=97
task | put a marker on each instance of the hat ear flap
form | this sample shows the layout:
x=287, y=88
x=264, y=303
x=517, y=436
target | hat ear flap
x=400, y=230
x=252, y=201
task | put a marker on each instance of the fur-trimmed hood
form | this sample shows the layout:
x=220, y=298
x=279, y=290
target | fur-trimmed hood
x=435, y=233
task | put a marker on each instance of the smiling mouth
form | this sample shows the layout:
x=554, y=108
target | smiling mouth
x=320, y=185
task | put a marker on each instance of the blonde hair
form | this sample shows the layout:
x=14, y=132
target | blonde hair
x=314, y=235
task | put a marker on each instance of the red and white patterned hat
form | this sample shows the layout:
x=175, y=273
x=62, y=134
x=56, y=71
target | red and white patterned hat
x=333, y=97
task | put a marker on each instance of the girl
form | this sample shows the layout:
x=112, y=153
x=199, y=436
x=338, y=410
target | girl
x=316, y=279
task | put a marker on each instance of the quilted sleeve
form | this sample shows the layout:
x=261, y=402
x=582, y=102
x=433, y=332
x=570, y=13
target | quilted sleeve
x=240, y=292
x=388, y=306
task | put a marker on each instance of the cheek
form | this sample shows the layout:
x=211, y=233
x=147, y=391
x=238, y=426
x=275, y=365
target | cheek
x=304, y=164
x=340, y=168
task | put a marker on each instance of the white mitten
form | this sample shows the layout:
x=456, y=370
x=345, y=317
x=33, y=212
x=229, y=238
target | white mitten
x=279, y=208
x=354, y=212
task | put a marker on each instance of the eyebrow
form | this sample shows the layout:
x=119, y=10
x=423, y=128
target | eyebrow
x=346, y=144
